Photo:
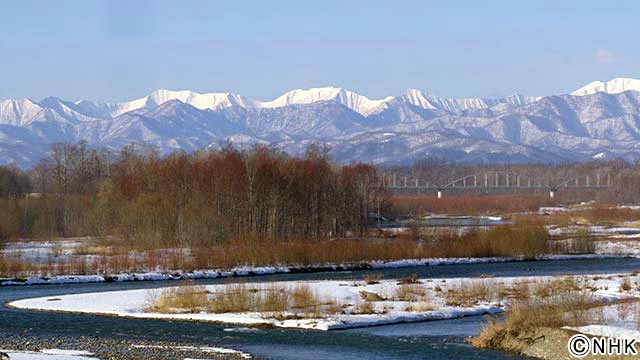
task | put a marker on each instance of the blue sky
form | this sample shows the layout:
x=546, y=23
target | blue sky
x=118, y=50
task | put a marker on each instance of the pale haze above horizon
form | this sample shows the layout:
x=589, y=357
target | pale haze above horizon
x=120, y=50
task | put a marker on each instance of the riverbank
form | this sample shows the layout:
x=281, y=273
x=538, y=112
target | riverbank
x=26, y=346
x=244, y=271
x=541, y=324
x=548, y=344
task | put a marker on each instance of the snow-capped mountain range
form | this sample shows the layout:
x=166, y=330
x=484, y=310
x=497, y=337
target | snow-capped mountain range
x=599, y=120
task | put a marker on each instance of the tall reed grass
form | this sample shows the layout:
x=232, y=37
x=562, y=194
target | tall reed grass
x=526, y=240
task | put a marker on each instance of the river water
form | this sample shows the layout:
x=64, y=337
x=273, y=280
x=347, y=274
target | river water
x=427, y=340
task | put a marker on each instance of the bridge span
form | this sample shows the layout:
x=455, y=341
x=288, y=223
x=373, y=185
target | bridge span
x=495, y=181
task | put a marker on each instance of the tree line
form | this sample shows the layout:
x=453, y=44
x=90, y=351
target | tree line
x=143, y=199
x=188, y=200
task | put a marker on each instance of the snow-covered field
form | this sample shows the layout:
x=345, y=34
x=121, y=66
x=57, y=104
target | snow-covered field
x=40, y=252
x=435, y=301
x=616, y=240
x=597, y=230
x=606, y=330
x=620, y=320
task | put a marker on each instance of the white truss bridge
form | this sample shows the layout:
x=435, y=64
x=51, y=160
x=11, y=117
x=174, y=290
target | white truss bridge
x=494, y=181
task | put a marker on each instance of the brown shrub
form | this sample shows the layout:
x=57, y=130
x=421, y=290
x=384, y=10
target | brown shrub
x=523, y=239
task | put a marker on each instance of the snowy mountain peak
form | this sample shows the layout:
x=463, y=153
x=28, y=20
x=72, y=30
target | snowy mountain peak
x=161, y=96
x=211, y=101
x=429, y=101
x=389, y=130
x=18, y=111
x=614, y=86
x=417, y=98
x=356, y=102
x=19, y=103
x=303, y=96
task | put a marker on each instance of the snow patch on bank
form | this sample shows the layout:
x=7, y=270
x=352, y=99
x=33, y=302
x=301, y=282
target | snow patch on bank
x=252, y=271
x=136, y=303
x=606, y=330
x=387, y=310
x=205, y=349
x=48, y=354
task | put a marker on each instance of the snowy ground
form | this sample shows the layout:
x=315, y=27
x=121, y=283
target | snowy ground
x=616, y=240
x=435, y=302
x=618, y=321
x=616, y=232
x=40, y=252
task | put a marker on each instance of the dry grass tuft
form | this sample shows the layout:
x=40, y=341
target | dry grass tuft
x=364, y=308
x=518, y=290
x=273, y=300
x=409, y=280
x=625, y=285
x=233, y=298
x=555, y=287
x=413, y=292
x=371, y=296
x=469, y=293
x=307, y=302
x=492, y=335
x=190, y=298
x=552, y=304
x=372, y=279
x=420, y=306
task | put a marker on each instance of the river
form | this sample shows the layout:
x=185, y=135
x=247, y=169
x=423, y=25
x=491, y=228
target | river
x=427, y=340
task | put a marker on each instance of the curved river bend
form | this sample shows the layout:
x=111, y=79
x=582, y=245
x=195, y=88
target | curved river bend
x=427, y=340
